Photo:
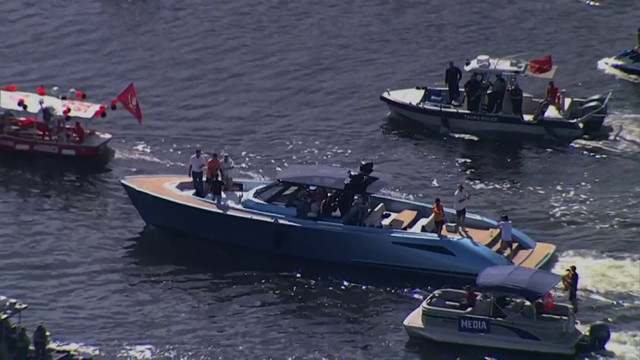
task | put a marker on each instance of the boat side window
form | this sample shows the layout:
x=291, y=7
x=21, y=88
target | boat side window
x=285, y=196
x=267, y=192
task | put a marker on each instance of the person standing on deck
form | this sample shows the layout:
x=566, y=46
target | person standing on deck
x=452, y=77
x=197, y=165
x=226, y=168
x=472, y=89
x=516, y=100
x=573, y=288
x=498, y=91
x=460, y=199
x=438, y=216
x=213, y=167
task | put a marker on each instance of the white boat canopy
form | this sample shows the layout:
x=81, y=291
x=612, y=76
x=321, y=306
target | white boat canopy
x=34, y=103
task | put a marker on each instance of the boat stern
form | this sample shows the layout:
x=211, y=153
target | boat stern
x=413, y=324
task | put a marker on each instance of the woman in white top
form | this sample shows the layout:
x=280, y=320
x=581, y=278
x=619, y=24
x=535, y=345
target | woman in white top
x=505, y=235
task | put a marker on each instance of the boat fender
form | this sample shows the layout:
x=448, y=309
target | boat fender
x=599, y=335
x=278, y=234
x=590, y=107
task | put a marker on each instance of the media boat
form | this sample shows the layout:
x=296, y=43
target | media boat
x=627, y=61
x=507, y=315
x=395, y=234
x=571, y=119
x=42, y=127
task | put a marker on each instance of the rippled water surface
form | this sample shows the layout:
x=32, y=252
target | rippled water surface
x=283, y=82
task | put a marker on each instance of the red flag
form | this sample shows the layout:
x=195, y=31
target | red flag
x=129, y=100
x=541, y=65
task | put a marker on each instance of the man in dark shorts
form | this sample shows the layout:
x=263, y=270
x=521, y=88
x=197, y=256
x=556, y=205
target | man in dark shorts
x=460, y=199
x=470, y=300
x=573, y=288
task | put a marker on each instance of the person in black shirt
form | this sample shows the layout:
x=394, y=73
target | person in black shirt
x=472, y=89
x=573, y=288
x=216, y=188
x=499, y=89
x=516, y=100
x=452, y=78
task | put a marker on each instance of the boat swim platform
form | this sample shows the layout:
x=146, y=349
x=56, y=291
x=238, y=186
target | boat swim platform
x=165, y=186
x=532, y=258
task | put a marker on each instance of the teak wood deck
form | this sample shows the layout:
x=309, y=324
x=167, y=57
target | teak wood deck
x=531, y=258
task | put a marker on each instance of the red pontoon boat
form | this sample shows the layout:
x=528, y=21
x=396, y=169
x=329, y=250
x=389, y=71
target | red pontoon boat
x=54, y=123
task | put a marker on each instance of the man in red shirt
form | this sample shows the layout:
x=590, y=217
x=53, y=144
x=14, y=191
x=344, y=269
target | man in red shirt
x=470, y=300
x=550, y=100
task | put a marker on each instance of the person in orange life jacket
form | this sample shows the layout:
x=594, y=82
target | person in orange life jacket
x=516, y=100
x=452, y=77
x=550, y=100
x=438, y=216
x=197, y=164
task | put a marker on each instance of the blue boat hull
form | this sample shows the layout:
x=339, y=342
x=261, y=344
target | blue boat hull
x=319, y=241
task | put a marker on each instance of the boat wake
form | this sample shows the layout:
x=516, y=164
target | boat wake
x=624, y=135
x=603, y=66
x=611, y=284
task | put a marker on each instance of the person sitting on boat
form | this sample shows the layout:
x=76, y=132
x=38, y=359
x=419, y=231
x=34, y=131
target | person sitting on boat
x=550, y=100
x=470, y=300
x=472, y=89
x=516, y=96
x=452, y=77
x=40, y=342
x=319, y=195
x=80, y=133
x=330, y=204
x=227, y=168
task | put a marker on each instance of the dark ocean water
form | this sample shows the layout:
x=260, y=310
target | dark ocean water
x=284, y=82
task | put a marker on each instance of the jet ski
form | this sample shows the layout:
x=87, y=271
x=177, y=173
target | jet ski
x=627, y=61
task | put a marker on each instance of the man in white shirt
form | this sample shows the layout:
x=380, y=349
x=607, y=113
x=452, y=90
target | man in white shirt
x=460, y=199
x=197, y=164
x=505, y=235
x=226, y=168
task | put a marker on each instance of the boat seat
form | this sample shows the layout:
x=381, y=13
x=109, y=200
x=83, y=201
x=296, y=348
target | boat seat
x=552, y=113
x=482, y=308
x=427, y=223
x=386, y=222
x=373, y=219
x=403, y=219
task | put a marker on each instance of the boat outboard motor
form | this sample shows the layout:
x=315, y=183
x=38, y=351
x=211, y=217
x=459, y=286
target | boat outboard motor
x=597, y=336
